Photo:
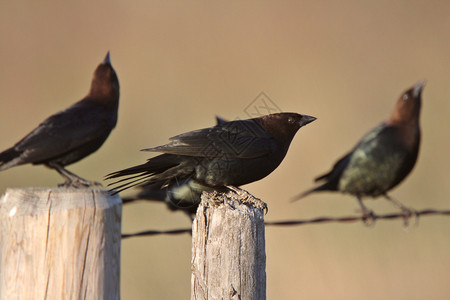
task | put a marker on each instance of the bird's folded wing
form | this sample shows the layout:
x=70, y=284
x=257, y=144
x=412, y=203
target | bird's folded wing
x=63, y=132
x=236, y=139
x=365, y=144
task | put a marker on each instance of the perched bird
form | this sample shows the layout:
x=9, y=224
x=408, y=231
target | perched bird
x=74, y=133
x=154, y=192
x=382, y=158
x=229, y=154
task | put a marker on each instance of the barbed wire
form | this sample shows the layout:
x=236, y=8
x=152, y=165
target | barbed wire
x=157, y=232
x=320, y=220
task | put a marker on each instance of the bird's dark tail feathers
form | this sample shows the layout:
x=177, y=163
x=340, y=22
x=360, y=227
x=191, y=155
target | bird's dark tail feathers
x=157, y=169
x=9, y=158
x=129, y=171
x=134, y=176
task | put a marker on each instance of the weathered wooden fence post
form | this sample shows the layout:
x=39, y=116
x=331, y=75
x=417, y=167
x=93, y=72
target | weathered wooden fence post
x=228, y=247
x=60, y=244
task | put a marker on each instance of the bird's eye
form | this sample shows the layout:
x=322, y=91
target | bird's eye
x=405, y=97
x=291, y=120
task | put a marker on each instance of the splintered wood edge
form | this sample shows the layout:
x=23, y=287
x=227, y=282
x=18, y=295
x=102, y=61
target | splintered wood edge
x=70, y=238
x=232, y=199
x=228, y=247
x=38, y=200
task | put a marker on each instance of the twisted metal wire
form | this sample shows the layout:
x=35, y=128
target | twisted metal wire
x=320, y=220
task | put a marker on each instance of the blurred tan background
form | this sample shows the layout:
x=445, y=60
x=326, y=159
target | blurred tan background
x=181, y=63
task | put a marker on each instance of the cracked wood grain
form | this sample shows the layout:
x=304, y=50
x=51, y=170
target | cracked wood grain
x=228, y=247
x=59, y=244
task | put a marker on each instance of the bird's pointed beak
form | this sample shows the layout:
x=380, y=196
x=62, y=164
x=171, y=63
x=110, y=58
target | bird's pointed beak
x=306, y=120
x=107, y=59
x=418, y=87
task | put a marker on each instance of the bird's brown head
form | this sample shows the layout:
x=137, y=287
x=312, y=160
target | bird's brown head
x=407, y=108
x=105, y=84
x=283, y=126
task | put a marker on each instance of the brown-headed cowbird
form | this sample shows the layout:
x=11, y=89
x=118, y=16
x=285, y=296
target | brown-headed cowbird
x=74, y=133
x=382, y=158
x=154, y=192
x=229, y=154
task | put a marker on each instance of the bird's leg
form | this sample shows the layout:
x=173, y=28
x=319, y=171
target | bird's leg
x=72, y=180
x=407, y=211
x=246, y=197
x=368, y=215
x=68, y=180
x=81, y=182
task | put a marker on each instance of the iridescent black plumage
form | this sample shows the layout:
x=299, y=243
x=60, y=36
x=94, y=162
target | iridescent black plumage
x=184, y=195
x=74, y=133
x=383, y=157
x=229, y=154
